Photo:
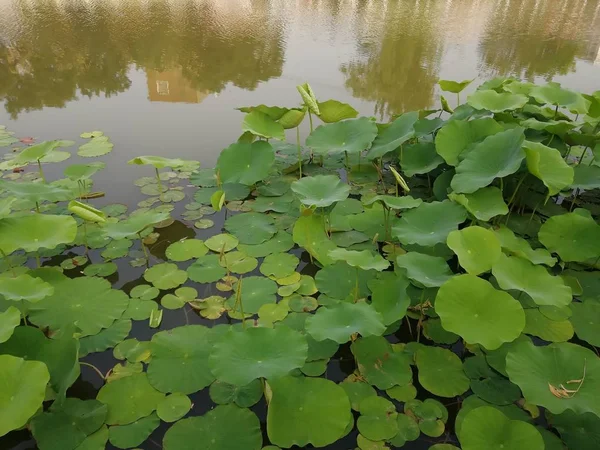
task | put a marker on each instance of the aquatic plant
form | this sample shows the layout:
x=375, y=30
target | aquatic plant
x=445, y=261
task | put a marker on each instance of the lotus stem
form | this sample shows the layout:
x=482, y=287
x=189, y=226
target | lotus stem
x=160, y=186
x=386, y=219
x=346, y=158
x=568, y=153
x=310, y=120
x=457, y=99
x=11, y=267
x=575, y=192
x=85, y=237
x=41, y=171
x=356, y=287
x=94, y=368
x=144, y=249
x=299, y=150
x=37, y=259
x=556, y=111
x=551, y=139
x=37, y=207
x=582, y=155
x=514, y=194
x=501, y=186
x=238, y=300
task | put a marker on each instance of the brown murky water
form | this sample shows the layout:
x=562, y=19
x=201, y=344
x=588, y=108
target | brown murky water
x=164, y=76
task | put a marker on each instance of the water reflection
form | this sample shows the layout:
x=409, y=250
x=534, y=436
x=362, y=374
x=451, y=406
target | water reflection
x=189, y=49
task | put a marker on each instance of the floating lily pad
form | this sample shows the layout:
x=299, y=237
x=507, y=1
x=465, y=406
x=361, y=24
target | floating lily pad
x=25, y=287
x=244, y=396
x=251, y=228
x=100, y=269
x=320, y=190
x=306, y=411
x=107, y=338
x=280, y=242
x=428, y=271
x=241, y=357
x=480, y=314
x=441, y=372
x=221, y=242
x=339, y=322
x=186, y=249
x=379, y=364
x=477, y=248
x=36, y=231
x=365, y=259
x=206, y=269
x=174, y=407
x=378, y=419
x=165, y=276
x=97, y=146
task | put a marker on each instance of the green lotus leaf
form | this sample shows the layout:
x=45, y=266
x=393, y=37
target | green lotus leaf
x=554, y=94
x=165, y=276
x=86, y=212
x=548, y=165
x=158, y=162
x=227, y=427
x=129, y=399
x=274, y=112
x=97, y=146
x=580, y=431
x=408, y=430
x=180, y=359
x=174, y=407
x=320, y=190
x=429, y=223
x=486, y=427
x=35, y=153
x=22, y=392
x=309, y=234
x=516, y=273
x=517, y=246
x=443, y=447
x=496, y=390
x=133, y=434
x=260, y=124
x=433, y=330
x=306, y=411
x=251, y=228
x=456, y=87
x=245, y=163
x=573, y=236
x=389, y=296
x=496, y=102
x=441, y=372
x=365, y=259
x=585, y=320
x=206, y=269
x=405, y=202
x=496, y=156
x=241, y=357
x=379, y=365
x=281, y=204
x=238, y=262
x=255, y=292
x=333, y=111
x=89, y=303
x=83, y=171
x=348, y=136
x=558, y=127
x=107, y=338
x=36, y=231
x=292, y=118
x=480, y=314
x=100, y=269
x=484, y=203
x=546, y=374
x=310, y=100
x=68, y=426
x=419, y=158
x=457, y=137
x=144, y=292
x=280, y=242
x=340, y=321
x=378, y=419
x=338, y=281
x=586, y=177
x=279, y=265
x=25, y=287
x=477, y=248
x=9, y=320
x=133, y=351
x=117, y=249
x=221, y=242
x=244, y=396
x=357, y=391
x=428, y=271
x=393, y=136
x=537, y=324
x=134, y=224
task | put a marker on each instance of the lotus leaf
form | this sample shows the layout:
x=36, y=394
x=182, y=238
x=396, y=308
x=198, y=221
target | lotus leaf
x=547, y=374
x=86, y=212
x=261, y=124
x=379, y=364
x=309, y=234
x=586, y=177
x=206, y=269
x=406, y=202
x=581, y=431
x=241, y=357
x=339, y=322
x=227, y=427
x=470, y=307
x=408, y=430
x=333, y=111
x=100, y=269
x=36, y=231
x=517, y=246
x=484, y=203
x=378, y=418
x=107, y=338
x=89, y=303
x=292, y=118
x=128, y=436
x=25, y=287
x=306, y=411
x=537, y=324
x=496, y=102
x=548, y=165
x=245, y=163
x=496, y=156
x=419, y=158
x=366, y=259
x=255, y=292
x=244, y=396
x=180, y=359
x=429, y=223
x=83, y=171
x=457, y=137
x=338, y=281
x=251, y=228
x=35, y=152
x=320, y=190
x=174, y=407
x=221, y=242
x=441, y=372
x=9, y=320
x=357, y=391
x=486, y=427
x=455, y=87
x=428, y=271
x=158, y=162
x=389, y=297
x=477, y=248
x=574, y=236
x=279, y=265
x=585, y=320
x=97, y=146
x=134, y=224
x=393, y=136
x=348, y=136
x=513, y=272
x=433, y=330
x=554, y=94
x=22, y=393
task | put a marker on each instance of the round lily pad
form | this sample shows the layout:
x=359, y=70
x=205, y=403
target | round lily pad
x=238, y=262
x=280, y=242
x=221, y=242
x=426, y=270
x=340, y=321
x=186, y=249
x=100, y=269
x=144, y=292
x=206, y=269
x=441, y=372
x=279, y=265
x=477, y=248
x=244, y=396
x=357, y=391
x=241, y=357
x=346, y=136
x=251, y=228
x=128, y=436
x=173, y=407
x=470, y=307
x=25, y=287
x=320, y=190
x=378, y=418
x=227, y=427
x=364, y=259
x=245, y=163
x=586, y=321
x=379, y=364
x=165, y=276
x=573, y=236
x=255, y=292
